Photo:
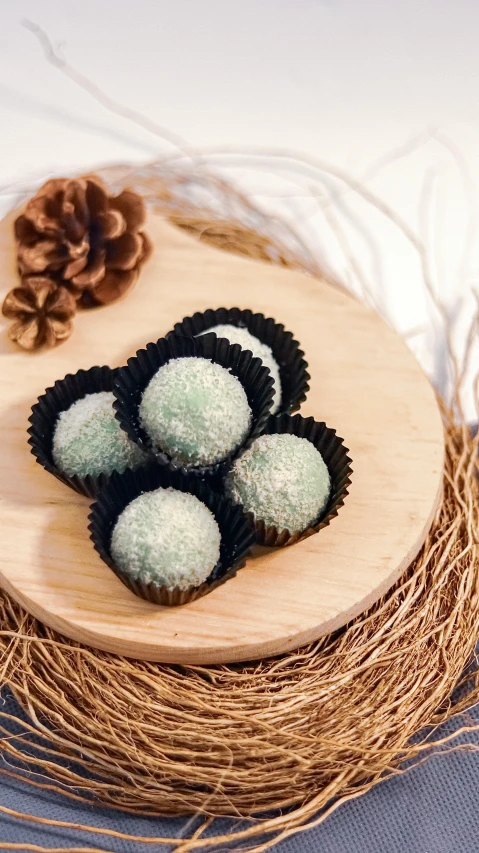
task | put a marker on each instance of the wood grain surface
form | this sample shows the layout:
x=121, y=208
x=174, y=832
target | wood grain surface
x=365, y=383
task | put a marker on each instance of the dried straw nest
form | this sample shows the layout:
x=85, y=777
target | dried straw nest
x=293, y=736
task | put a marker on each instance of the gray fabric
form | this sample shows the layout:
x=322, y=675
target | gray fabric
x=430, y=809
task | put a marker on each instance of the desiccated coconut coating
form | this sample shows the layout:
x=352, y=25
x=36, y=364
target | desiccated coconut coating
x=241, y=336
x=89, y=440
x=168, y=538
x=283, y=480
x=195, y=411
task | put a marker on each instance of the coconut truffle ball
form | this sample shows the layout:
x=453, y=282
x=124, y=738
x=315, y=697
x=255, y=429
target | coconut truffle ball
x=89, y=440
x=283, y=480
x=168, y=538
x=238, y=335
x=195, y=411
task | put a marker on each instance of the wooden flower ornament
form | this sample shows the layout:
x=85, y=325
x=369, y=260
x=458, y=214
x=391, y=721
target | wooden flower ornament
x=81, y=241
x=42, y=312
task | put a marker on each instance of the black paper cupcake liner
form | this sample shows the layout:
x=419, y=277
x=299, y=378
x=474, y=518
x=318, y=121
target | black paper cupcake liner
x=132, y=380
x=335, y=456
x=237, y=533
x=45, y=413
x=286, y=350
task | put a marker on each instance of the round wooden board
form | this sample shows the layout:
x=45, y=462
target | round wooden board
x=365, y=383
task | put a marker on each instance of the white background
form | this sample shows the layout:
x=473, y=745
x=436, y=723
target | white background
x=355, y=83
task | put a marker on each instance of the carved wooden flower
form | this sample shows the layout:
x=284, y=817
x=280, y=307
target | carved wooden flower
x=76, y=233
x=42, y=312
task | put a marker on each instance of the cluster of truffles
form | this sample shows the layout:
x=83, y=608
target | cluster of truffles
x=196, y=414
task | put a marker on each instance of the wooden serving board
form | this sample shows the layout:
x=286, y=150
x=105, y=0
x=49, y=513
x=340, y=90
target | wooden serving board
x=365, y=383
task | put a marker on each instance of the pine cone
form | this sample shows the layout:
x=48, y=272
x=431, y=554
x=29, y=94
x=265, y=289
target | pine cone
x=42, y=310
x=84, y=239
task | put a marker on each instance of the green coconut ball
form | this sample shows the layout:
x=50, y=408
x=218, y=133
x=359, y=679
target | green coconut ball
x=168, y=538
x=89, y=440
x=195, y=411
x=283, y=480
x=241, y=336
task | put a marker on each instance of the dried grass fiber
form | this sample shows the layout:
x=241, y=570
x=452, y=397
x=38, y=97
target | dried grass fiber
x=292, y=736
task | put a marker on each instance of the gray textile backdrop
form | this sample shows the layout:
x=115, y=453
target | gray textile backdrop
x=430, y=809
